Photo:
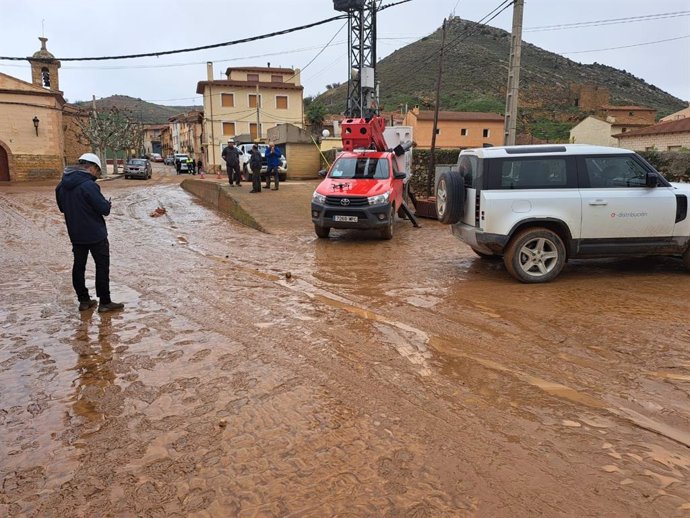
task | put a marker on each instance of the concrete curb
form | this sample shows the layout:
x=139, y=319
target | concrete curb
x=218, y=196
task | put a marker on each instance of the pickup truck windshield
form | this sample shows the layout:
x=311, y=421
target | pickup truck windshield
x=360, y=167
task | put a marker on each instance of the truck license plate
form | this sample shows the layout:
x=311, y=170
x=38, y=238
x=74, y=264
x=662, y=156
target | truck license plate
x=349, y=219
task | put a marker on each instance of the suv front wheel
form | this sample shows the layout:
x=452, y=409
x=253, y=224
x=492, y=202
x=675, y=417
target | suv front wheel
x=535, y=255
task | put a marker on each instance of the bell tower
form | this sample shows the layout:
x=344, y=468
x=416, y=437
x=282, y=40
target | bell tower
x=44, y=68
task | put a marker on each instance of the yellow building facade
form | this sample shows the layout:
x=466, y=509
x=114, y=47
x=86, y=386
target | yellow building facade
x=456, y=129
x=246, y=104
x=32, y=141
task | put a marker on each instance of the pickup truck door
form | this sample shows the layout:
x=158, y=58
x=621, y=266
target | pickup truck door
x=618, y=210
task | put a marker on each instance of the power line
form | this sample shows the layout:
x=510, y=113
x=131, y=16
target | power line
x=610, y=21
x=194, y=49
x=628, y=46
x=318, y=53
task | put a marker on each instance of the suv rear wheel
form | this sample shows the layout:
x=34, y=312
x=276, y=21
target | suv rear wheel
x=450, y=197
x=535, y=255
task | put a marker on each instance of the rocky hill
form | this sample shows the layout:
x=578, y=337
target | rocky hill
x=475, y=74
x=146, y=112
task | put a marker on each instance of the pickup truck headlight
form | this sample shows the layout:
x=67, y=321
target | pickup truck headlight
x=381, y=198
x=318, y=198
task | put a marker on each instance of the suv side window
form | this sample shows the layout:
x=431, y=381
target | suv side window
x=532, y=173
x=615, y=171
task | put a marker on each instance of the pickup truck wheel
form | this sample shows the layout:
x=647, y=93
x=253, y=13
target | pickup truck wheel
x=535, y=255
x=686, y=258
x=322, y=232
x=450, y=197
x=487, y=257
x=387, y=231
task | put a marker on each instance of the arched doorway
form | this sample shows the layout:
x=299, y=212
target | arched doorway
x=4, y=166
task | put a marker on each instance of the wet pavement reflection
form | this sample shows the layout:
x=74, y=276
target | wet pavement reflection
x=256, y=374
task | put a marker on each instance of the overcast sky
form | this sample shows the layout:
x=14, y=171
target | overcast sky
x=84, y=28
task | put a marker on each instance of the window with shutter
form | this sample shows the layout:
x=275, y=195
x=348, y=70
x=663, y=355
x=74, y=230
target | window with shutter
x=281, y=102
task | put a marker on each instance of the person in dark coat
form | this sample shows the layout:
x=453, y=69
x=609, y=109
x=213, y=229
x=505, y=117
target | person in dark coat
x=255, y=166
x=273, y=164
x=79, y=198
x=232, y=160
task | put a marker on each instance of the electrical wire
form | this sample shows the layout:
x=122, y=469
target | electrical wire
x=627, y=46
x=610, y=21
x=194, y=49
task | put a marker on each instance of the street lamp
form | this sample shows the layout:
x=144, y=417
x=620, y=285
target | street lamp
x=36, y=121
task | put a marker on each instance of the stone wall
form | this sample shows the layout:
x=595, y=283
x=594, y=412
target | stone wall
x=35, y=167
x=658, y=142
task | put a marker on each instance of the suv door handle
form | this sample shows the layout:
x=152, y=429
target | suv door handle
x=598, y=202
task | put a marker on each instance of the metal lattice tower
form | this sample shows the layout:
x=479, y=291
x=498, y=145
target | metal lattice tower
x=361, y=85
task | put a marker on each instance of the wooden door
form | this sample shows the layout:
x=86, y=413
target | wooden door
x=4, y=166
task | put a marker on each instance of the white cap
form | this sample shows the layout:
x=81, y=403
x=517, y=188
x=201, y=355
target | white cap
x=91, y=157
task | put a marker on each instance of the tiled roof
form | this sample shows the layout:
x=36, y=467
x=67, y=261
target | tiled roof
x=201, y=85
x=629, y=108
x=262, y=69
x=460, y=116
x=677, y=126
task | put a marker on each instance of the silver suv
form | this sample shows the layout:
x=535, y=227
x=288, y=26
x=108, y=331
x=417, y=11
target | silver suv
x=538, y=206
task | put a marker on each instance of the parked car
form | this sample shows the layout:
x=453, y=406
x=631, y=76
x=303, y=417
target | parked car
x=245, y=150
x=181, y=163
x=169, y=160
x=536, y=207
x=137, y=168
x=156, y=157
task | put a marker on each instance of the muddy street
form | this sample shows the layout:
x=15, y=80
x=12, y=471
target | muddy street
x=276, y=374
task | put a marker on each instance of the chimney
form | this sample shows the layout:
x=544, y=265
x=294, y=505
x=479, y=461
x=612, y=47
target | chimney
x=209, y=70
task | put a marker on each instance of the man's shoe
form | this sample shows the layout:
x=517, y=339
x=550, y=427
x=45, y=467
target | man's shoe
x=253, y=190
x=111, y=306
x=87, y=304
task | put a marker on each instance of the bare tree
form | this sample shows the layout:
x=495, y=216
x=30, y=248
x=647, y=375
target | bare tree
x=105, y=130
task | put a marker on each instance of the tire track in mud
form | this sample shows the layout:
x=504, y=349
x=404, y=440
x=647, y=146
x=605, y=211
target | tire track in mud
x=302, y=407
x=263, y=276
x=553, y=389
x=419, y=348
x=445, y=345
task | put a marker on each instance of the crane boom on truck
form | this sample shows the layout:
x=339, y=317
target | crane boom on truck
x=366, y=186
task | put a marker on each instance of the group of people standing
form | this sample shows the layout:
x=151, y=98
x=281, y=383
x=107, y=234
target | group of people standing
x=231, y=155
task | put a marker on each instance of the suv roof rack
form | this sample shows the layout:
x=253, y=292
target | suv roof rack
x=534, y=149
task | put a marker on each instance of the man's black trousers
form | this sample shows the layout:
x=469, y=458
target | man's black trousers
x=101, y=256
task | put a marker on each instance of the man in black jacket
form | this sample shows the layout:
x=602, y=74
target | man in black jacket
x=79, y=198
x=255, y=166
x=232, y=160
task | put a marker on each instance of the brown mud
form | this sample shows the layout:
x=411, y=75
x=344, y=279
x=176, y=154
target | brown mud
x=402, y=378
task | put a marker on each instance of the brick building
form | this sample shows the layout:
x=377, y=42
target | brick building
x=665, y=136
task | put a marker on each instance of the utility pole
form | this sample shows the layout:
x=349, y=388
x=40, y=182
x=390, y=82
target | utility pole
x=432, y=156
x=513, y=75
x=258, y=117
